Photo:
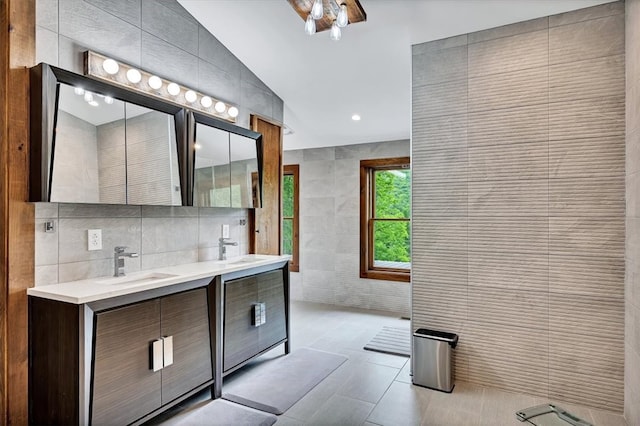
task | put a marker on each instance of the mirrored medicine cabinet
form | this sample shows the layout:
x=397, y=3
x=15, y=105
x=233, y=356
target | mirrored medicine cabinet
x=93, y=142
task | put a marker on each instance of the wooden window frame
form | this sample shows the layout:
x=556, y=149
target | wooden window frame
x=367, y=207
x=294, y=170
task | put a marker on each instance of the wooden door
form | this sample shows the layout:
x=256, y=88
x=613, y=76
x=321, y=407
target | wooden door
x=240, y=336
x=264, y=222
x=125, y=388
x=185, y=317
x=271, y=293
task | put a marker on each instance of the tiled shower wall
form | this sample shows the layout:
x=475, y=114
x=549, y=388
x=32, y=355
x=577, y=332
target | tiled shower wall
x=159, y=36
x=330, y=229
x=162, y=236
x=632, y=279
x=518, y=159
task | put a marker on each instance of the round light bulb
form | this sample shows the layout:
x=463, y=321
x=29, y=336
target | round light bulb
x=110, y=66
x=335, y=32
x=343, y=18
x=134, y=76
x=317, y=9
x=93, y=103
x=108, y=100
x=190, y=96
x=173, y=89
x=310, y=25
x=206, y=102
x=233, y=112
x=355, y=117
x=88, y=96
x=197, y=145
x=220, y=107
x=155, y=82
x=78, y=91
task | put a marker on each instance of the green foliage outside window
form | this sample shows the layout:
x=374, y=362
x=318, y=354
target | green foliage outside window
x=392, y=201
x=287, y=206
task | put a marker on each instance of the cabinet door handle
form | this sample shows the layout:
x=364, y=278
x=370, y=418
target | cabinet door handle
x=167, y=346
x=156, y=355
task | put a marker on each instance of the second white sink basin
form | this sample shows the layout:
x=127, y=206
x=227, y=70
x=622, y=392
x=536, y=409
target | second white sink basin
x=137, y=278
x=247, y=259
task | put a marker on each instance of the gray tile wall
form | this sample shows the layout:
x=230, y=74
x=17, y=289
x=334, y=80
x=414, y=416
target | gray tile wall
x=330, y=229
x=632, y=276
x=159, y=36
x=519, y=203
x=163, y=236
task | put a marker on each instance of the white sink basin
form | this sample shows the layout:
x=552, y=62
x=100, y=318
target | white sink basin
x=137, y=278
x=248, y=259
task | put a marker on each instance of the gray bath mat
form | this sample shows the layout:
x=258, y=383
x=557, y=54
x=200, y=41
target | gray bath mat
x=391, y=340
x=275, y=385
x=222, y=413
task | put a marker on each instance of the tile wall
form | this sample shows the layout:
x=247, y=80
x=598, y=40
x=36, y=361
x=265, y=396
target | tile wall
x=159, y=36
x=518, y=158
x=330, y=229
x=162, y=236
x=632, y=279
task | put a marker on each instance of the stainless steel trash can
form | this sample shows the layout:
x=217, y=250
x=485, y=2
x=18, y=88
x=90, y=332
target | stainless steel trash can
x=431, y=360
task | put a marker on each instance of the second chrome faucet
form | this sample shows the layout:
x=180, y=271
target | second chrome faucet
x=222, y=247
x=118, y=260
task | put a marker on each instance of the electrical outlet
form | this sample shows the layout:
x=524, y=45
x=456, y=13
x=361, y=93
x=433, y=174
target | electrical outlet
x=225, y=231
x=94, y=239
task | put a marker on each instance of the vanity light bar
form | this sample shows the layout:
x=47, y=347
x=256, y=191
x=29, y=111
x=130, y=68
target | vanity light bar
x=112, y=71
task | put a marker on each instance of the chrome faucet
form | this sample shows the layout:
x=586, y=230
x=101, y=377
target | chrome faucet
x=118, y=260
x=222, y=247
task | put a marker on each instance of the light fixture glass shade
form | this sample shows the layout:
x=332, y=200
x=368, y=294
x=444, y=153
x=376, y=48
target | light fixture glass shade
x=335, y=32
x=310, y=25
x=317, y=9
x=173, y=89
x=88, y=96
x=190, y=96
x=108, y=100
x=206, y=102
x=134, y=76
x=110, y=66
x=78, y=91
x=233, y=112
x=343, y=18
x=155, y=82
x=220, y=107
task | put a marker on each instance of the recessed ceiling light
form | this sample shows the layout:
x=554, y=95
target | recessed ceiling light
x=355, y=117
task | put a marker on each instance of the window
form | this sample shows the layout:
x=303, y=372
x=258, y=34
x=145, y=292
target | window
x=290, y=215
x=385, y=208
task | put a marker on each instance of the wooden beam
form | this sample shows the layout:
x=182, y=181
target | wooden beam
x=16, y=214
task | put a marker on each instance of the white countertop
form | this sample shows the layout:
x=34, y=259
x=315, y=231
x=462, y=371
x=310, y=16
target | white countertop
x=93, y=289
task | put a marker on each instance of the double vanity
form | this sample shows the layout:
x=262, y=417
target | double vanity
x=120, y=350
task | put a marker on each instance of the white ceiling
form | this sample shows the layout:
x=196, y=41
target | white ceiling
x=323, y=83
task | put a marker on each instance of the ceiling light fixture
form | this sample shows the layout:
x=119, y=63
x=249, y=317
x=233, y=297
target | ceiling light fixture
x=107, y=69
x=322, y=15
x=108, y=100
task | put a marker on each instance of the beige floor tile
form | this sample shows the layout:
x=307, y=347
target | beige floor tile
x=606, y=418
x=368, y=382
x=395, y=361
x=404, y=375
x=499, y=408
x=288, y=421
x=305, y=408
x=402, y=404
x=460, y=408
x=341, y=411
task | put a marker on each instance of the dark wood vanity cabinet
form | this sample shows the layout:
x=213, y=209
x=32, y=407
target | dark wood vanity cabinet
x=125, y=386
x=242, y=338
x=94, y=365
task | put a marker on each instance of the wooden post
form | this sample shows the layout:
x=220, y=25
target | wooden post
x=17, y=44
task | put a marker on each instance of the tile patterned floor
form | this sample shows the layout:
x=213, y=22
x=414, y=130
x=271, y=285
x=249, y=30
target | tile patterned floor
x=375, y=389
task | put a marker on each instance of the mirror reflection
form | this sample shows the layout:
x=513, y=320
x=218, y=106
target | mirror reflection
x=244, y=172
x=212, y=170
x=115, y=152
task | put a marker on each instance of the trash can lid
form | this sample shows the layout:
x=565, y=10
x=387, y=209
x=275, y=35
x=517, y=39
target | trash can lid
x=450, y=338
